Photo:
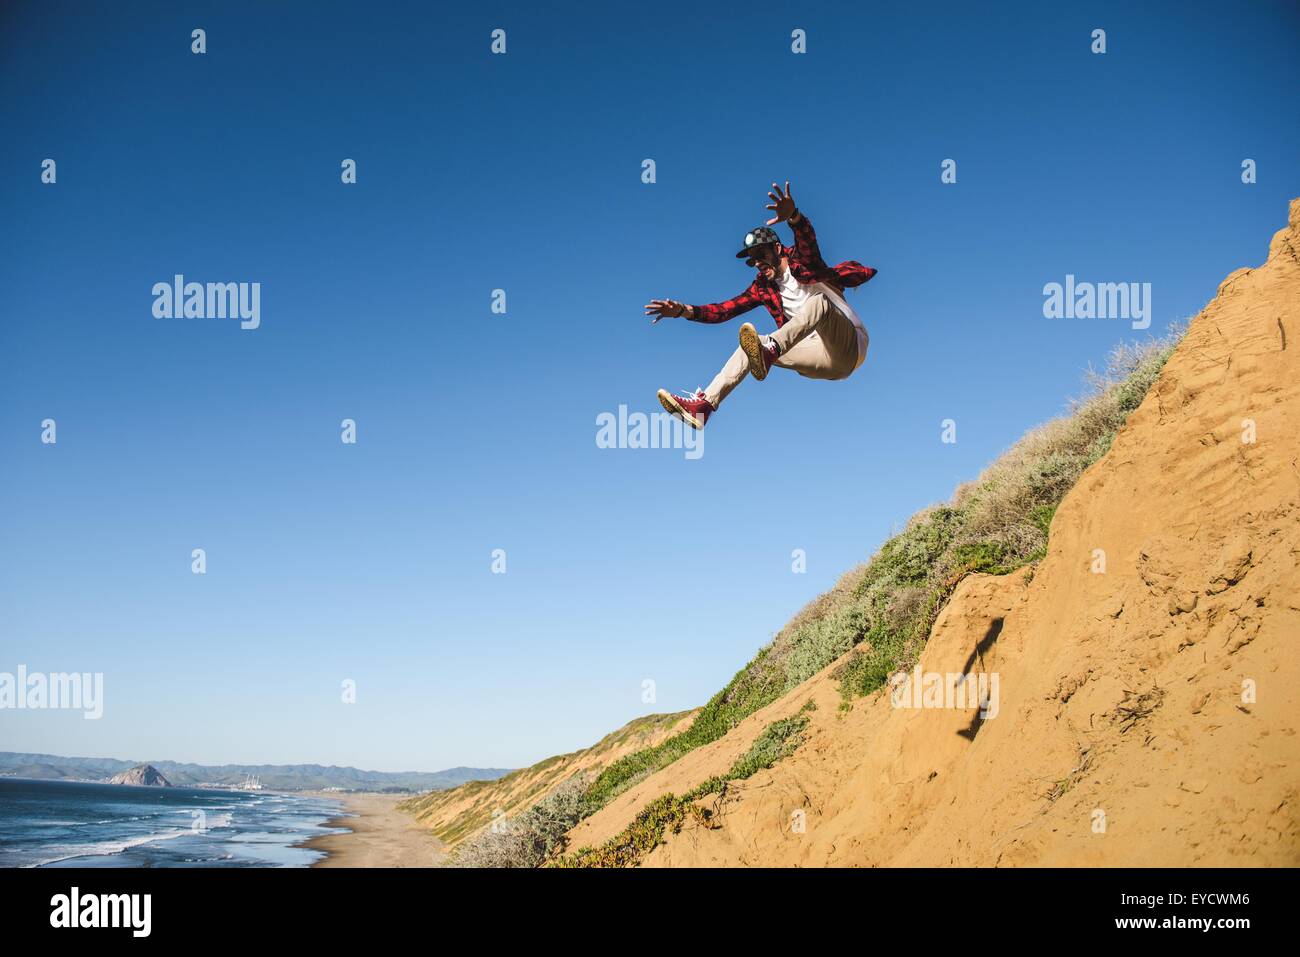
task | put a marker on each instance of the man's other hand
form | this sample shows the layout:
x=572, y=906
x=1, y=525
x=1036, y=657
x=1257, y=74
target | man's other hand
x=782, y=204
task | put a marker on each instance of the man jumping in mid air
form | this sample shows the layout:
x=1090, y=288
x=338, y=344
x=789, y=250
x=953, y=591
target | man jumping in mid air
x=818, y=335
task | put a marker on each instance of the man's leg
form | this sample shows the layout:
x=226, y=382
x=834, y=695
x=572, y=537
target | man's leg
x=732, y=373
x=694, y=409
x=819, y=342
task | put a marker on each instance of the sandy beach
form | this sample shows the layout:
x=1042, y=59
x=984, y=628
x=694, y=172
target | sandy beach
x=379, y=835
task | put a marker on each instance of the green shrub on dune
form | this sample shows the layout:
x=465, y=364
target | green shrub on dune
x=668, y=812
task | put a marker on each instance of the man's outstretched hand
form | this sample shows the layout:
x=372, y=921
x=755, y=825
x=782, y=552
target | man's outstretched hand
x=661, y=308
x=782, y=204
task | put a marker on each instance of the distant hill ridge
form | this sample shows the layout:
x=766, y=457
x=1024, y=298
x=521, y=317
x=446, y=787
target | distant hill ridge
x=288, y=777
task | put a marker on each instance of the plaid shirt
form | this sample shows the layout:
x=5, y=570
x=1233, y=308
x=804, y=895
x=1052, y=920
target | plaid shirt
x=807, y=266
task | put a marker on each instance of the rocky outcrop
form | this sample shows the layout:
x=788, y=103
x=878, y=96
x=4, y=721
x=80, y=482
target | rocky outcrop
x=145, y=775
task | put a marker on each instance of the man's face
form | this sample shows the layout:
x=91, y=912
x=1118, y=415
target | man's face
x=766, y=259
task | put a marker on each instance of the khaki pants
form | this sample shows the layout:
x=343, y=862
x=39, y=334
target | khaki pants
x=818, y=343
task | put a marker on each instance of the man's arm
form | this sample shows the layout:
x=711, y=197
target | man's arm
x=710, y=313
x=805, y=241
x=728, y=308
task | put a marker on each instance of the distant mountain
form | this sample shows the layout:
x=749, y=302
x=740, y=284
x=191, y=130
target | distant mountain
x=142, y=775
x=284, y=777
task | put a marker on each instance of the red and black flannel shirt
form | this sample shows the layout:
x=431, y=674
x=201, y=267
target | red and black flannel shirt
x=806, y=264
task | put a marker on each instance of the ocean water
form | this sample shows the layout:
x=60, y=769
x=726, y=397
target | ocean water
x=71, y=824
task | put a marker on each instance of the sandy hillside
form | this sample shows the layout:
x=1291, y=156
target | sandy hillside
x=456, y=814
x=1126, y=730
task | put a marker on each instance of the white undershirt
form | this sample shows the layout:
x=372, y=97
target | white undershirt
x=794, y=295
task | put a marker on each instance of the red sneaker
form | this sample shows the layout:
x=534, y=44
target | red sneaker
x=761, y=356
x=693, y=409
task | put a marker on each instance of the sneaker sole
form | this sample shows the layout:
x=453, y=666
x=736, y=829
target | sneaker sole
x=753, y=347
x=670, y=403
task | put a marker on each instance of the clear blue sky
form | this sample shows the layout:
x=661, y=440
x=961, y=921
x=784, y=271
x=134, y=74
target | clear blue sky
x=477, y=431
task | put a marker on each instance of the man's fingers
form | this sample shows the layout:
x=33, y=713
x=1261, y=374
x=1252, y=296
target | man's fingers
x=787, y=187
x=774, y=220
